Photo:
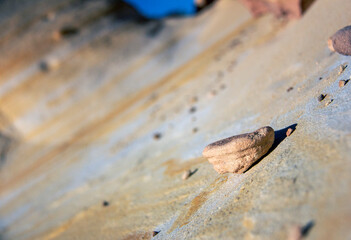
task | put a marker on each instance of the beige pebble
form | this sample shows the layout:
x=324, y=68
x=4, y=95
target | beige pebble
x=50, y=16
x=289, y=132
x=329, y=102
x=342, y=83
x=211, y=94
x=342, y=68
x=236, y=154
x=49, y=64
x=56, y=36
x=294, y=233
x=186, y=174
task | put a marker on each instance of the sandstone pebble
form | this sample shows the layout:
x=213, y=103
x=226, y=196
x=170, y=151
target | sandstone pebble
x=236, y=154
x=340, y=42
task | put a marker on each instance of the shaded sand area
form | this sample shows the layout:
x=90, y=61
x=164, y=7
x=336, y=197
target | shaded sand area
x=95, y=146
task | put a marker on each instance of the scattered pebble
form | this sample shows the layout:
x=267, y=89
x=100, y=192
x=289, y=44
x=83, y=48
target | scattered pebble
x=186, y=174
x=195, y=130
x=69, y=31
x=154, y=233
x=294, y=233
x=194, y=99
x=289, y=89
x=220, y=75
x=211, y=94
x=192, y=109
x=105, y=203
x=223, y=86
x=340, y=42
x=50, y=16
x=157, y=136
x=342, y=83
x=236, y=154
x=342, y=68
x=320, y=78
x=329, y=102
x=49, y=64
x=289, y=132
x=56, y=36
x=321, y=97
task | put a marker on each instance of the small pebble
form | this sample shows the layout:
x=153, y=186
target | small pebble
x=223, y=86
x=289, y=132
x=50, y=16
x=329, y=102
x=192, y=109
x=105, y=203
x=50, y=64
x=157, y=136
x=342, y=68
x=186, y=174
x=69, y=31
x=321, y=97
x=342, y=83
x=211, y=94
x=56, y=36
x=289, y=89
x=294, y=233
x=195, y=130
x=341, y=41
x=154, y=233
x=194, y=99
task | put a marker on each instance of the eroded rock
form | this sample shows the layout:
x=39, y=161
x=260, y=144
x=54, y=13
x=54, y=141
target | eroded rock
x=236, y=154
x=340, y=42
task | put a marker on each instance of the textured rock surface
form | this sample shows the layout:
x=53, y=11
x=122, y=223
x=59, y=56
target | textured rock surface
x=236, y=154
x=84, y=132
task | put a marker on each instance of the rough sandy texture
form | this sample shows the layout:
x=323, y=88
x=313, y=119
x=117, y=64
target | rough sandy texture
x=84, y=132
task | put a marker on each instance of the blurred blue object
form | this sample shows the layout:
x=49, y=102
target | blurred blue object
x=161, y=8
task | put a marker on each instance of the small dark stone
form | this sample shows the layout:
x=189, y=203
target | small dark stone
x=154, y=233
x=69, y=31
x=289, y=89
x=105, y=203
x=192, y=109
x=157, y=136
x=195, y=130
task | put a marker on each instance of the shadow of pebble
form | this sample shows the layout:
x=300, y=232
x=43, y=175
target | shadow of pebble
x=307, y=228
x=279, y=136
x=5, y=144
